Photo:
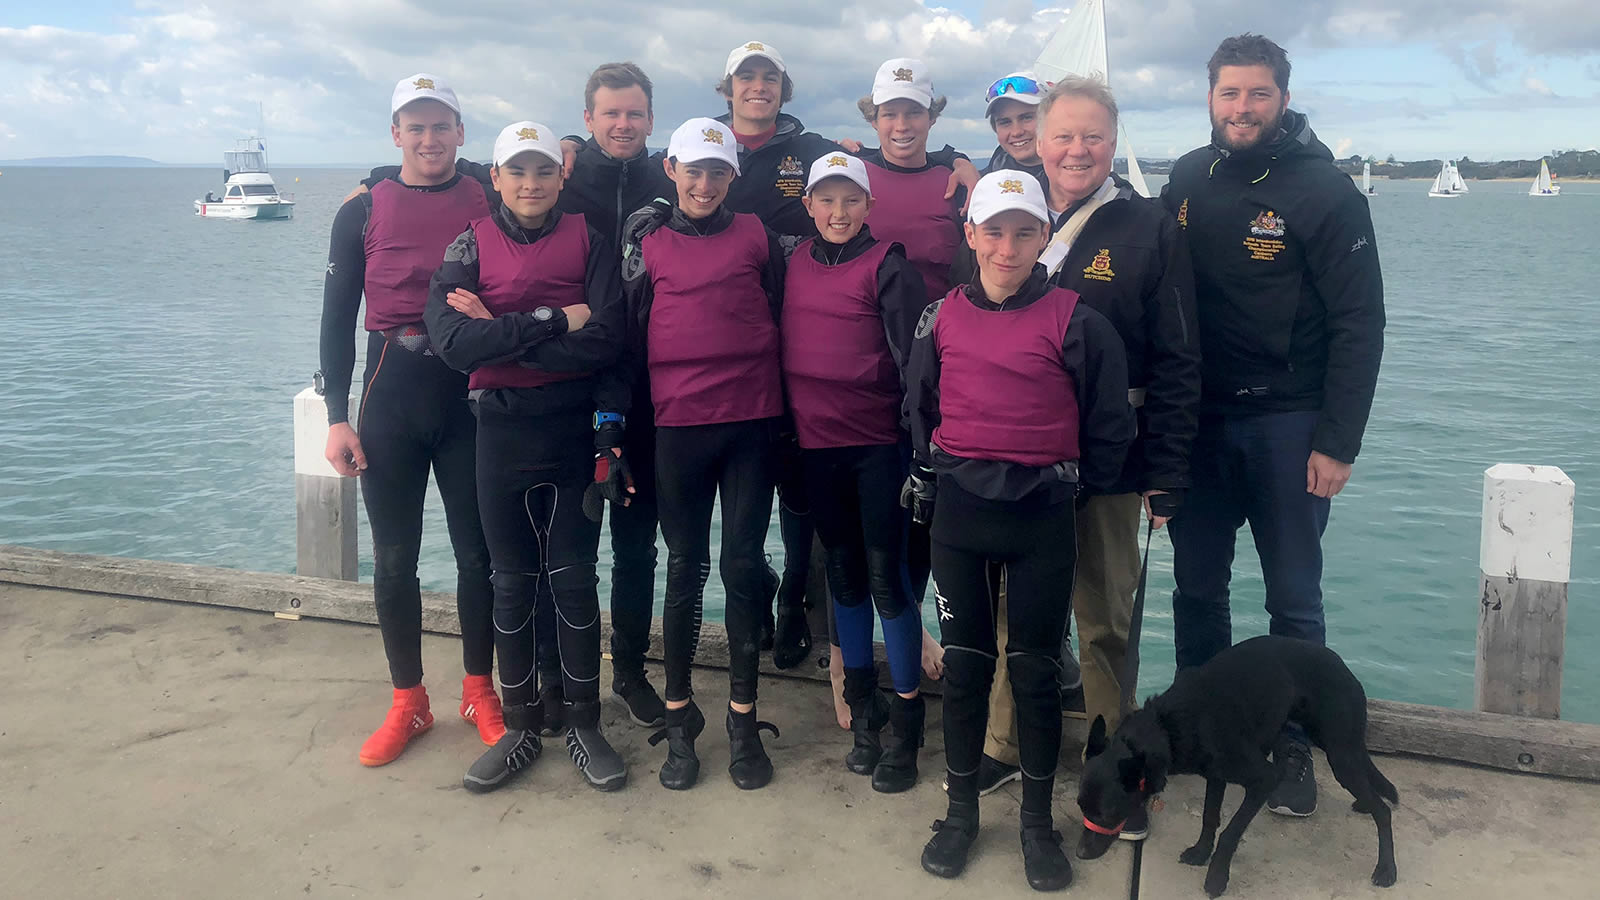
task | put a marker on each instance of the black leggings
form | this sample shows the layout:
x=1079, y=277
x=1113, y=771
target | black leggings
x=533, y=471
x=1037, y=549
x=695, y=466
x=633, y=553
x=414, y=416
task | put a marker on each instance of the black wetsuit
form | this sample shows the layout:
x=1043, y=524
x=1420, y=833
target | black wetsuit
x=413, y=416
x=536, y=453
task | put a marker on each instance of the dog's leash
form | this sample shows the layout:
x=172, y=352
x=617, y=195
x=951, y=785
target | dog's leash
x=1130, y=676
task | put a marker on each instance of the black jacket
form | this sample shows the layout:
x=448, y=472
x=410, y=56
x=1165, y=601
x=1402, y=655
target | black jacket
x=465, y=343
x=1144, y=284
x=772, y=178
x=1287, y=282
x=1091, y=352
x=606, y=190
x=1000, y=161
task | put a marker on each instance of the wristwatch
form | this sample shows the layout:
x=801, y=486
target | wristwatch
x=607, y=418
x=543, y=314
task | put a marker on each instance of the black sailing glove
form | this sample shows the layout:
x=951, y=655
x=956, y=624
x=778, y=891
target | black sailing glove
x=1165, y=505
x=613, y=480
x=917, y=493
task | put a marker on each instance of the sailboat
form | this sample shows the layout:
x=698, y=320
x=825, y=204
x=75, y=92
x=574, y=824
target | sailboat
x=1448, y=182
x=1544, y=186
x=1078, y=47
x=1366, y=180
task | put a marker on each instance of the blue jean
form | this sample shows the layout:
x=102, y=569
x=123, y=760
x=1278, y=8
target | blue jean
x=1248, y=469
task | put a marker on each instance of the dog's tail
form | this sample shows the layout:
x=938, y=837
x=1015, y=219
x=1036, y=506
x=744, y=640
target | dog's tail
x=1382, y=785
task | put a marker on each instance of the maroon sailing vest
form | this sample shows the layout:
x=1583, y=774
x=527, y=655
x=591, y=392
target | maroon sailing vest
x=1004, y=393
x=910, y=208
x=844, y=389
x=407, y=233
x=515, y=277
x=711, y=343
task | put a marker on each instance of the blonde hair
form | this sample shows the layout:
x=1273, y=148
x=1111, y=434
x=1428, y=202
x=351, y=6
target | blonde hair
x=1079, y=86
x=869, y=110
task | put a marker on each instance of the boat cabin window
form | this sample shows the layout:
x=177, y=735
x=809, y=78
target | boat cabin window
x=259, y=190
x=234, y=191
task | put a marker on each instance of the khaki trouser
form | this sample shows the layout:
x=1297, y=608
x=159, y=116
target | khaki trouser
x=1102, y=602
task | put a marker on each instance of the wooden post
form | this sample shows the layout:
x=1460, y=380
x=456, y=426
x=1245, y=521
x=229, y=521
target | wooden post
x=325, y=502
x=1525, y=562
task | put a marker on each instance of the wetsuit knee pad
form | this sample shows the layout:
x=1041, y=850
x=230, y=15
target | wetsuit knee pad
x=887, y=581
x=576, y=577
x=394, y=562
x=968, y=671
x=686, y=577
x=473, y=561
x=837, y=563
x=1032, y=673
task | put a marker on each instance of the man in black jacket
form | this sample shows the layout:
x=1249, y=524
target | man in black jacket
x=1290, y=298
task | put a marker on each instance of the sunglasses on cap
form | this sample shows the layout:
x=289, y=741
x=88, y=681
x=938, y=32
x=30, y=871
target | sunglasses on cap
x=1015, y=84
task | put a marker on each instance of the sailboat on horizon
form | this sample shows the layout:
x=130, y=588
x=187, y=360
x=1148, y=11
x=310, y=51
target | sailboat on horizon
x=1078, y=47
x=1544, y=185
x=1448, y=182
x=1366, y=180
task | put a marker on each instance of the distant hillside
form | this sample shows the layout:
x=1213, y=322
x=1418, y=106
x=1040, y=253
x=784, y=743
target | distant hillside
x=102, y=162
x=1563, y=164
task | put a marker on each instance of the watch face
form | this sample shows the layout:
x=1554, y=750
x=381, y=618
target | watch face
x=543, y=314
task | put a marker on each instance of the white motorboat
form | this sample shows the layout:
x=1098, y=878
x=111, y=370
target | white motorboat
x=248, y=191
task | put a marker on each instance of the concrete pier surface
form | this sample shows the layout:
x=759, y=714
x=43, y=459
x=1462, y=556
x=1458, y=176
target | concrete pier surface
x=152, y=749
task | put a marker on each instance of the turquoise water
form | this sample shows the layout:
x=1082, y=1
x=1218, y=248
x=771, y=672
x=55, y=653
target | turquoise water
x=151, y=357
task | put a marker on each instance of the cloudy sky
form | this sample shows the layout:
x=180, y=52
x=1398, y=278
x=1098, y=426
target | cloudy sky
x=179, y=81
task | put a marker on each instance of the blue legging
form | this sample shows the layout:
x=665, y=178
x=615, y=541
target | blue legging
x=855, y=504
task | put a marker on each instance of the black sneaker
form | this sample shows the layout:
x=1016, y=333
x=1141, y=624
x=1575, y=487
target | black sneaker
x=1137, y=828
x=1046, y=866
x=1296, y=793
x=644, y=704
x=515, y=751
x=992, y=775
x=1072, y=702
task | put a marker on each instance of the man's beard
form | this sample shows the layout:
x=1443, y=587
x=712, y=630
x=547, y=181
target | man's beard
x=1264, y=135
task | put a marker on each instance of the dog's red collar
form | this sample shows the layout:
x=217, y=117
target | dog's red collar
x=1113, y=830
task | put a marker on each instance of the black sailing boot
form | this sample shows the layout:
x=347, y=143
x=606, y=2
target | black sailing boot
x=945, y=854
x=748, y=763
x=515, y=751
x=869, y=712
x=682, y=768
x=601, y=765
x=897, y=768
x=1047, y=868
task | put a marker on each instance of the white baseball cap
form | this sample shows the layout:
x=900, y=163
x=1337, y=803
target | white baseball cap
x=754, y=48
x=1005, y=190
x=902, y=79
x=1023, y=87
x=838, y=165
x=423, y=86
x=525, y=137
x=701, y=139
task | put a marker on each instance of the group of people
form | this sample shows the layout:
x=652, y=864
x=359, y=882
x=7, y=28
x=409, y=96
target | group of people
x=997, y=379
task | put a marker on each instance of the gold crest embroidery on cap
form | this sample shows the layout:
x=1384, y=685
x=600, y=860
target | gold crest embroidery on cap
x=1010, y=186
x=527, y=134
x=423, y=84
x=755, y=45
x=902, y=74
x=712, y=136
x=837, y=161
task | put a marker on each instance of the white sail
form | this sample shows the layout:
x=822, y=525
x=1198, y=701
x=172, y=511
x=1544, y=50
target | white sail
x=1444, y=182
x=1457, y=184
x=1078, y=47
x=1366, y=178
x=1541, y=186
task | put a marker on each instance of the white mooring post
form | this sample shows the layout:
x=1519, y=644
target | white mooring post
x=325, y=502
x=1525, y=562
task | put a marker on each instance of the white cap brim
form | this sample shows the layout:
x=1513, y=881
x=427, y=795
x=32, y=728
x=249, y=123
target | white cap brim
x=1025, y=99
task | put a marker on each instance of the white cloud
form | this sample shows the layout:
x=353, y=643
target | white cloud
x=1342, y=149
x=1536, y=86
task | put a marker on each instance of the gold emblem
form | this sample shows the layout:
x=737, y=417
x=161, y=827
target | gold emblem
x=1010, y=186
x=1183, y=214
x=755, y=45
x=423, y=84
x=1268, y=224
x=837, y=161
x=1100, y=267
x=902, y=74
x=527, y=134
x=712, y=136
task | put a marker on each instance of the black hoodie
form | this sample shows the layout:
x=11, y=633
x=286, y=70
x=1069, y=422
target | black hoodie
x=1287, y=282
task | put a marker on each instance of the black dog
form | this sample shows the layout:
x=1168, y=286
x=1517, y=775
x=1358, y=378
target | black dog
x=1221, y=720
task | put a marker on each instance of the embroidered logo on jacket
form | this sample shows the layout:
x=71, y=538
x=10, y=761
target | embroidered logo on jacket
x=712, y=136
x=1011, y=186
x=791, y=168
x=1183, y=214
x=1268, y=224
x=1100, y=268
x=528, y=134
x=902, y=75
